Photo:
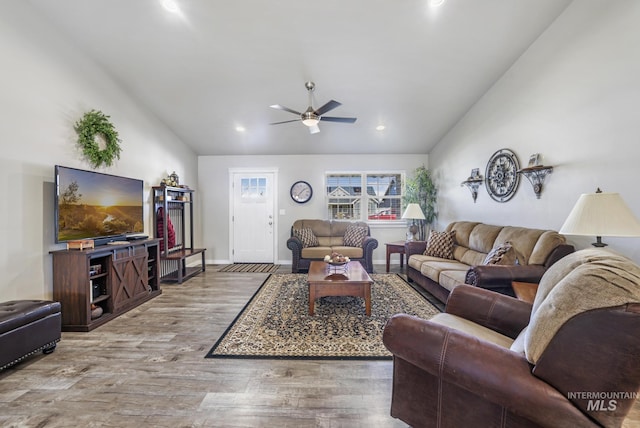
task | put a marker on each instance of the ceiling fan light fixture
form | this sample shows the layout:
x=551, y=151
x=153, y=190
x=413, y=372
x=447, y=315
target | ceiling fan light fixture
x=309, y=118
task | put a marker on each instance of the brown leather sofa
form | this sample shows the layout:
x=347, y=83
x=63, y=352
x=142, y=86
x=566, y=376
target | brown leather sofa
x=568, y=360
x=330, y=236
x=27, y=327
x=537, y=250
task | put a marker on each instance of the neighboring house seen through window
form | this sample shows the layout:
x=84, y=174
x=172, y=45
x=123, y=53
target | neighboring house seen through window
x=381, y=200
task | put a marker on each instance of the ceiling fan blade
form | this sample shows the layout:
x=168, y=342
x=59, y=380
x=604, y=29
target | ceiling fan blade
x=285, y=121
x=314, y=129
x=338, y=119
x=279, y=107
x=327, y=107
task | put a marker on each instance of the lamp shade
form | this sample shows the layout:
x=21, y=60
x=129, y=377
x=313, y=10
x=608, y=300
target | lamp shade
x=413, y=211
x=601, y=214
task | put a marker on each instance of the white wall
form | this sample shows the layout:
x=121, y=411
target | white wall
x=46, y=85
x=213, y=186
x=574, y=97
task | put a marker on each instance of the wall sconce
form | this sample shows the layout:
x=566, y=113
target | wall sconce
x=473, y=183
x=536, y=175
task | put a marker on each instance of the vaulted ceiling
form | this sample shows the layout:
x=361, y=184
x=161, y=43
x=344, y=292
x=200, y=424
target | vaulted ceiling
x=215, y=67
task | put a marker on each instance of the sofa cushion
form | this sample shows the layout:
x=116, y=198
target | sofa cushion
x=319, y=227
x=522, y=239
x=351, y=252
x=472, y=257
x=319, y=252
x=450, y=279
x=306, y=236
x=339, y=227
x=315, y=252
x=354, y=236
x=459, y=251
x=463, y=230
x=328, y=241
x=416, y=260
x=546, y=243
x=432, y=269
x=483, y=237
x=503, y=254
x=440, y=244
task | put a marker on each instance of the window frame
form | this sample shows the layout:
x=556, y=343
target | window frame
x=364, y=197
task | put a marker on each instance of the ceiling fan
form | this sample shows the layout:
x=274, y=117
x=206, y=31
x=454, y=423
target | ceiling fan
x=311, y=116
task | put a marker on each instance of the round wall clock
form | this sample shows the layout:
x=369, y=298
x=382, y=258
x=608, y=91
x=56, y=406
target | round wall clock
x=301, y=192
x=501, y=177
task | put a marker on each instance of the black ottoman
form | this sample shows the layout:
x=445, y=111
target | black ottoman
x=27, y=327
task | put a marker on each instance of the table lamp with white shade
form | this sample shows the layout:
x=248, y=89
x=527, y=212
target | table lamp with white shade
x=413, y=212
x=601, y=214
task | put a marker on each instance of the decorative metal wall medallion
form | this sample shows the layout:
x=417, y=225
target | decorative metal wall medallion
x=501, y=176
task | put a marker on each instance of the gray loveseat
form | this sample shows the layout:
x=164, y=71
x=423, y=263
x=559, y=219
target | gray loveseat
x=330, y=236
x=536, y=251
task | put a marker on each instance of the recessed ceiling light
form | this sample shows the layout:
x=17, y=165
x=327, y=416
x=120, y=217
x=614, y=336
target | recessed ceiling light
x=380, y=128
x=170, y=6
x=435, y=3
x=240, y=128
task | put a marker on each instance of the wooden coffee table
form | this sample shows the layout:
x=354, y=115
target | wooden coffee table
x=329, y=281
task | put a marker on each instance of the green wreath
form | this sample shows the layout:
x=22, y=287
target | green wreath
x=97, y=123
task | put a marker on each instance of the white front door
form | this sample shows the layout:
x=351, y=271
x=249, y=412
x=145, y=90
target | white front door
x=253, y=222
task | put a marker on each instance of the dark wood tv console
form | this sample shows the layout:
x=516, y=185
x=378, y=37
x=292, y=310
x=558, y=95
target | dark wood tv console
x=113, y=278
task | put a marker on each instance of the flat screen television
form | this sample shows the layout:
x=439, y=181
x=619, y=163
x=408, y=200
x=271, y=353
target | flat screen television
x=93, y=205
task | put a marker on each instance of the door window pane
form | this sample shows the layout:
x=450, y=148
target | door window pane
x=253, y=188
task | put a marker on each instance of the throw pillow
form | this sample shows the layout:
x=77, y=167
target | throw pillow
x=503, y=254
x=306, y=236
x=440, y=244
x=354, y=236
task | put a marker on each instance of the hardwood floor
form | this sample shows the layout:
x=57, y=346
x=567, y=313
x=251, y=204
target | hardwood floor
x=147, y=368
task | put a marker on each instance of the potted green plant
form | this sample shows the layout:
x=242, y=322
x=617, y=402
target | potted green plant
x=420, y=189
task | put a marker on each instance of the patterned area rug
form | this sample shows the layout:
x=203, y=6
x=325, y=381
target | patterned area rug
x=251, y=268
x=276, y=321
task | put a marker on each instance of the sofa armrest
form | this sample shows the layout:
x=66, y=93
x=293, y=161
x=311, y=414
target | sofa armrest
x=501, y=276
x=487, y=370
x=295, y=245
x=414, y=247
x=559, y=252
x=504, y=314
x=368, y=245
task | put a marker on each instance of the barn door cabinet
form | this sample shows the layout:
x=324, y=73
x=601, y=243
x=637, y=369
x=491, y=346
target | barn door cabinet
x=112, y=278
x=173, y=226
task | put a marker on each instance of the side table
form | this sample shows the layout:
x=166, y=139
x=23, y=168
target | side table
x=525, y=290
x=395, y=248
